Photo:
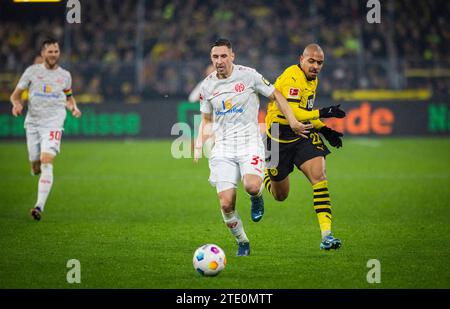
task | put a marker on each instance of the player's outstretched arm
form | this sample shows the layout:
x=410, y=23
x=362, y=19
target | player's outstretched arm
x=17, y=105
x=304, y=115
x=71, y=105
x=204, y=133
x=283, y=105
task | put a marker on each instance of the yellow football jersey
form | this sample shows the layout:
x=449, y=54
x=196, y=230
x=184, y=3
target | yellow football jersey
x=300, y=93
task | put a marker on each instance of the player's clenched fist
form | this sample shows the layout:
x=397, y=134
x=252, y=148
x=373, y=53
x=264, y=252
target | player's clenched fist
x=76, y=112
x=17, y=109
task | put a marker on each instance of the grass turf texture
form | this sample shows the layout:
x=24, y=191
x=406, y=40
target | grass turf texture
x=133, y=216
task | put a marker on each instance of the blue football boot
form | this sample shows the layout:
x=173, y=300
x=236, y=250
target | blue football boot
x=257, y=209
x=329, y=242
x=243, y=249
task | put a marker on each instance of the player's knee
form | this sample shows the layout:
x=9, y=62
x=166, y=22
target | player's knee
x=253, y=188
x=280, y=196
x=226, y=203
x=226, y=206
x=318, y=176
x=46, y=160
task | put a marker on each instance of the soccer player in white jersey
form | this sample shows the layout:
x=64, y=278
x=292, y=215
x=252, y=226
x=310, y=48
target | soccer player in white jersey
x=50, y=93
x=229, y=102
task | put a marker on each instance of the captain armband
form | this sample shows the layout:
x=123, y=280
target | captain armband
x=68, y=92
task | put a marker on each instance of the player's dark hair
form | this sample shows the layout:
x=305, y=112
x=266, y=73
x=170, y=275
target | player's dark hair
x=222, y=42
x=48, y=41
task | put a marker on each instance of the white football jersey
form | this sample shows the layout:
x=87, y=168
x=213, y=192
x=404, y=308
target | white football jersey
x=234, y=104
x=46, y=98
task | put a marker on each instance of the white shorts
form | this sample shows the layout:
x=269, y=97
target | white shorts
x=230, y=167
x=43, y=140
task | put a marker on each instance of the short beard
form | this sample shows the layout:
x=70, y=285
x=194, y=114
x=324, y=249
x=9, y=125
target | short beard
x=49, y=65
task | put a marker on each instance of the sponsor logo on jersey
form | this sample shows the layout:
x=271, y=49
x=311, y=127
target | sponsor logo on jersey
x=228, y=108
x=47, y=95
x=227, y=104
x=293, y=92
x=239, y=87
x=47, y=88
x=47, y=92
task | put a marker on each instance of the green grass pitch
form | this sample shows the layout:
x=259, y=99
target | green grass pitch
x=133, y=216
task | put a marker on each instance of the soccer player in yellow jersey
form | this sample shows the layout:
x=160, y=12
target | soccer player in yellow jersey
x=285, y=149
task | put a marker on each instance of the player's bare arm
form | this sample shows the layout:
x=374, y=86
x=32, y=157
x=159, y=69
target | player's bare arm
x=283, y=105
x=204, y=133
x=17, y=104
x=71, y=105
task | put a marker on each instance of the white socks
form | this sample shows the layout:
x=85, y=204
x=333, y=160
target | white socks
x=234, y=223
x=45, y=184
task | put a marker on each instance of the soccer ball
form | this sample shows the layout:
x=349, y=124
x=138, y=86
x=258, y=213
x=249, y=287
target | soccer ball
x=209, y=260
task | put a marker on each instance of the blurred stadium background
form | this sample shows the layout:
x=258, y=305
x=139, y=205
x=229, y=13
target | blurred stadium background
x=151, y=54
x=133, y=214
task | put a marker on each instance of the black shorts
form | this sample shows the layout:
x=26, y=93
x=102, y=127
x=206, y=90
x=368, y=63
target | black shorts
x=293, y=154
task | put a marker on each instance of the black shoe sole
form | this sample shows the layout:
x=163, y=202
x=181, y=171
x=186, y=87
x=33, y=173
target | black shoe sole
x=36, y=215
